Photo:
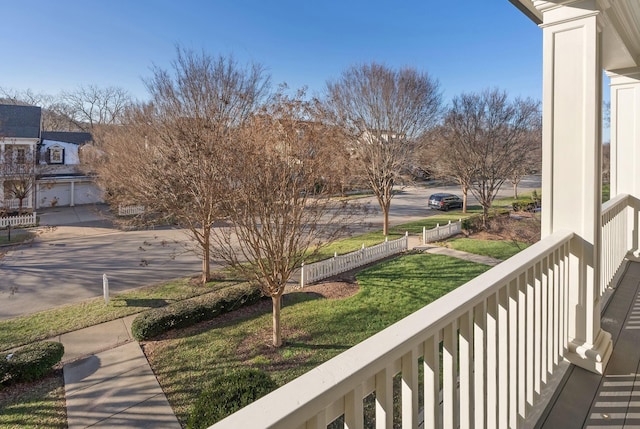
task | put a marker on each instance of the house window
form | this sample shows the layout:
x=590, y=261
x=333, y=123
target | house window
x=55, y=155
x=21, y=156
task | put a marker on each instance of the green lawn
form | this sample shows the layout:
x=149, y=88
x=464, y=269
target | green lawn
x=38, y=326
x=389, y=291
x=17, y=236
x=315, y=329
x=496, y=249
x=41, y=405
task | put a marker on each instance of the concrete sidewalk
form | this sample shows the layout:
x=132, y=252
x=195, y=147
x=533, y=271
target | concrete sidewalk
x=108, y=381
x=438, y=250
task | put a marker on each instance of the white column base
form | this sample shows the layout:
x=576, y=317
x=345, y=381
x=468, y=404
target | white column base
x=592, y=357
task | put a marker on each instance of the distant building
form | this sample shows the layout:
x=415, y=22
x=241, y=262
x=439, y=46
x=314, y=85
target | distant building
x=45, y=164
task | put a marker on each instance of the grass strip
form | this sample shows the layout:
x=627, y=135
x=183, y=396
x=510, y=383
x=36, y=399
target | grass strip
x=502, y=250
x=45, y=324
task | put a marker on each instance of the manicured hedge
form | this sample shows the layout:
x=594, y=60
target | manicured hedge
x=227, y=393
x=186, y=313
x=30, y=362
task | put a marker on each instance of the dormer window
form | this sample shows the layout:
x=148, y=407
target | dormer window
x=56, y=155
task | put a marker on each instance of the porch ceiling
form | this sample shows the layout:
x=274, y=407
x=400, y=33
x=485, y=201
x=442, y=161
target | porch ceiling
x=620, y=26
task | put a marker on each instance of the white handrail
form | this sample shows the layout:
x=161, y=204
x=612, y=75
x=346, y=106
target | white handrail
x=492, y=338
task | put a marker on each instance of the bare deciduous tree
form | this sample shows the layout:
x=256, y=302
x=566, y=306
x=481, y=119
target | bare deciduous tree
x=484, y=139
x=531, y=161
x=90, y=106
x=383, y=112
x=279, y=202
x=18, y=171
x=53, y=111
x=169, y=155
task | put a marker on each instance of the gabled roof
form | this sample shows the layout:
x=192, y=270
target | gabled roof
x=78, y=138
x=20, y=121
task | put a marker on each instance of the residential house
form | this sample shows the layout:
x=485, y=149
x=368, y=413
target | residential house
x=19, y=139
x=60, y=181
x=46, y=163
x=497, y=352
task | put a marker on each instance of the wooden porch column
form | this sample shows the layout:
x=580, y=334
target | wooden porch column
x=625, y=138
x=571, y=167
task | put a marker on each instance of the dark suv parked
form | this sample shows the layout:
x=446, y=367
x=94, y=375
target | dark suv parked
x=445, y=201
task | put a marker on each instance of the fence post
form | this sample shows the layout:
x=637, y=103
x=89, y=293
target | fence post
x=302, y=276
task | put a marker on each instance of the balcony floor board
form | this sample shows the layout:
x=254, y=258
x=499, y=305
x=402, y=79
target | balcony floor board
x=588, y=400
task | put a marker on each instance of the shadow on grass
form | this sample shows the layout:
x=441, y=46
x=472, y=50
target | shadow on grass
x=311, y=346
x=146, y=302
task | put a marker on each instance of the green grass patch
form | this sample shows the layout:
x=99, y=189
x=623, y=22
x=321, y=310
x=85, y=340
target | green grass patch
x=315, y=330
x=606, y=192
x=41, y=405
x=45, y=324
x=496, y=249
x=17, y=236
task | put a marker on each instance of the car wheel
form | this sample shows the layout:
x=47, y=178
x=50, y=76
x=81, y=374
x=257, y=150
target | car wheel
x=445, y=208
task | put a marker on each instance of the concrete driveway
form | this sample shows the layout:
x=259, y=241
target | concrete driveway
x=65, y=264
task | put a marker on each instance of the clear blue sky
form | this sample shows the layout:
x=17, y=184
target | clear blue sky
x=468, y=45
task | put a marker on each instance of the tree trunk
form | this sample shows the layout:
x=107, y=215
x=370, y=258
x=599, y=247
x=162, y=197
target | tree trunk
x=515, y=190
x=385, y=222
x=277, y=337
x=465, y=192
x=206, y=254
x=485, y=217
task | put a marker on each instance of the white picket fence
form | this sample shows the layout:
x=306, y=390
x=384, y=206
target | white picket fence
x=130, y=210
x=339, y=264
x=441, y=232
x=24, y=220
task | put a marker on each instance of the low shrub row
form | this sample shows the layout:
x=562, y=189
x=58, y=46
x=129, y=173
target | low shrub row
x=525, y=205
x=30, y=362
x=227, y=393
x=186, y=313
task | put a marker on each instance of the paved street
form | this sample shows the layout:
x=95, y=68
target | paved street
x=65, y=263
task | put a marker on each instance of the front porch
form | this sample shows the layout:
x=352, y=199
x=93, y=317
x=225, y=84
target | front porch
x=590, y=400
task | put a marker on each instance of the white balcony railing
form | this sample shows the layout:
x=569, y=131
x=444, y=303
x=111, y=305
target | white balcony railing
x=502, y=335
x=487, y=349
x=616, y=240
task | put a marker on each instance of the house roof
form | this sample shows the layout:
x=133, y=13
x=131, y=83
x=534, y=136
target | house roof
x=20, y=121
x=78, y=138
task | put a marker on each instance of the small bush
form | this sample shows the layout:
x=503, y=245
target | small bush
x=472, y=223
x=191, y=311
x=226, y=394
x=525, y=205
x=31, y=362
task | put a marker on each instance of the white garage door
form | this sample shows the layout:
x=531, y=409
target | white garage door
x=87, y=193
x=60, y=192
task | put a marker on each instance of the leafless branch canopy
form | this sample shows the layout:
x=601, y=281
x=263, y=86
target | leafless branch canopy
x=485, y=138
x=170, y=154
x=383, y=111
